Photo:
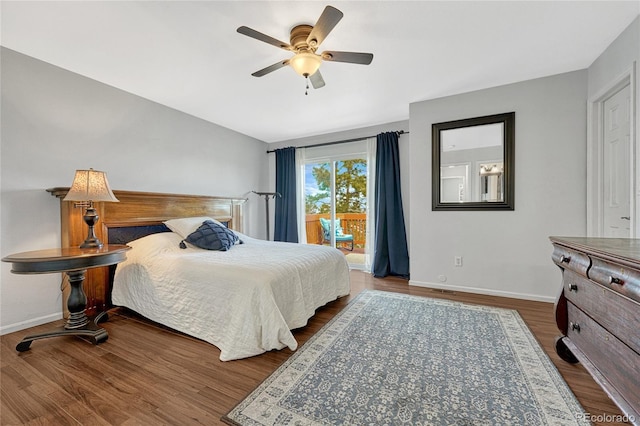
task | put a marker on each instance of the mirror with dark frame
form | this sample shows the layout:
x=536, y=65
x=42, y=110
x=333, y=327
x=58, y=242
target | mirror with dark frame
x=473, y=163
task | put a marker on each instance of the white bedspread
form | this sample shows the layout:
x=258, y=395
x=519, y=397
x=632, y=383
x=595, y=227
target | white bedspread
x=245, y=300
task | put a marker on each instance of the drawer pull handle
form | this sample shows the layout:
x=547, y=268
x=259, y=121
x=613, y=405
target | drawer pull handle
x=615, y=280
x=573, y=287
x=575, y=326
x=565, y=259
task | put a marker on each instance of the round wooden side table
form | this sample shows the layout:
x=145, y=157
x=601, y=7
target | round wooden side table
x=74, y=262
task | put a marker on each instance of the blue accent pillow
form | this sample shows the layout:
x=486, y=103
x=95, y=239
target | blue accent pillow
x=211, y=236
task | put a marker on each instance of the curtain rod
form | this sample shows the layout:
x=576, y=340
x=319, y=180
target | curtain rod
x=400, y=132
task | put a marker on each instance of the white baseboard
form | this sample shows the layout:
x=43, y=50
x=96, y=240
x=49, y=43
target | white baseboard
x=29, y=323
x=490, y=292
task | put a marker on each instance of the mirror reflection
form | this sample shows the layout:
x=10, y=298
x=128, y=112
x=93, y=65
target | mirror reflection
x=471, y=163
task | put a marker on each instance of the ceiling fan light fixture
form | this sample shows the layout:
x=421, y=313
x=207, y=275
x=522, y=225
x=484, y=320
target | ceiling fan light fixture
x=305, y=63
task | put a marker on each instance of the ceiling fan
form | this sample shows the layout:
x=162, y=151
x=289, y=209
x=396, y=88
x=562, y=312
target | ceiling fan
x=304, y=41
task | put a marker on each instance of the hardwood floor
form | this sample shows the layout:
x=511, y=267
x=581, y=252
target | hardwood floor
x=146, y=374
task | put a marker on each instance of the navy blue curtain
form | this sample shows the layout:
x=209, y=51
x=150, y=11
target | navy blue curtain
x=286, y=217
x=391, y=255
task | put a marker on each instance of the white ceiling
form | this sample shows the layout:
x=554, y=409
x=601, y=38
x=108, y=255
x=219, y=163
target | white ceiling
x=187, y=54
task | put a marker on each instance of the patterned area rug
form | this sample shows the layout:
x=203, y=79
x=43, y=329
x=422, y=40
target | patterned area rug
x=394, y=359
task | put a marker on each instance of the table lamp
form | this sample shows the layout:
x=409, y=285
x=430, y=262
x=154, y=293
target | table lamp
x=89, y=186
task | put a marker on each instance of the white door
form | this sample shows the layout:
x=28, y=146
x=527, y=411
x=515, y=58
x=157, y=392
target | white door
x=616, y=164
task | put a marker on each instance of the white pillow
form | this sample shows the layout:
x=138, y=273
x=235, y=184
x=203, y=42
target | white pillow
x=186, y=225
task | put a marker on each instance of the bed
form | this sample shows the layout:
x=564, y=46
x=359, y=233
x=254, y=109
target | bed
x=245, y=300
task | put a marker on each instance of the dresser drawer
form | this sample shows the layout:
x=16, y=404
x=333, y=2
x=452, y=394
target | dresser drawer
x=615, y=360
x=617, y=277
x=616, y=313
x=571, y=259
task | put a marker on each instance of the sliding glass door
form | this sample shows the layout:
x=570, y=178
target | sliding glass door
x=336, y=204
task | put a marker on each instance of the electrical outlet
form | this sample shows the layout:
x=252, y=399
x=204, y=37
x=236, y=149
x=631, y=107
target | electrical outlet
x=457, y=261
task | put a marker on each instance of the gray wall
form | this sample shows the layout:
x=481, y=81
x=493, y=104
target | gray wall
x=616, y=59
x=55, y=121
x=505, y=252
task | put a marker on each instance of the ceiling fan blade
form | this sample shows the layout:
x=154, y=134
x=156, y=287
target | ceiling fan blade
x=329, y=18
x=263, y=37
x=350, y=57
x=316, y=80
x=271, y=68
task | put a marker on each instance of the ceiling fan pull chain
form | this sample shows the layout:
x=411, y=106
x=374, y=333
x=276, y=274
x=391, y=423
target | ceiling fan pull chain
x=306, y=92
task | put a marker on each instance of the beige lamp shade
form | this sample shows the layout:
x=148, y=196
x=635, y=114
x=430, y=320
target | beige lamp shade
x=305, y=63
x=90, y=185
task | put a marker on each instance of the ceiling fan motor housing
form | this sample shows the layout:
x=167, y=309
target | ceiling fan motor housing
x=299, y=35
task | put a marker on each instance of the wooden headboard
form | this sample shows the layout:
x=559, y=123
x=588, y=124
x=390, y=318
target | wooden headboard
x=137, y=214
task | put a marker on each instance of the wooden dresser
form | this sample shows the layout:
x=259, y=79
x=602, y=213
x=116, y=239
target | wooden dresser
x=598, y=313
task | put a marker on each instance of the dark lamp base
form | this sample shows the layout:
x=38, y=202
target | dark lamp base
x=91, y=218
x=91, y=243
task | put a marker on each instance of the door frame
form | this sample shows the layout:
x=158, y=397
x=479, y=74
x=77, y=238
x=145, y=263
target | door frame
x=595, y=153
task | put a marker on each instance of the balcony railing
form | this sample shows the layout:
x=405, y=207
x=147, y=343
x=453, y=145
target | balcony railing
x=352, y=223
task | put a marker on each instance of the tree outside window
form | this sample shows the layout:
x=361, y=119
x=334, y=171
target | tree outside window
x=351, y=188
